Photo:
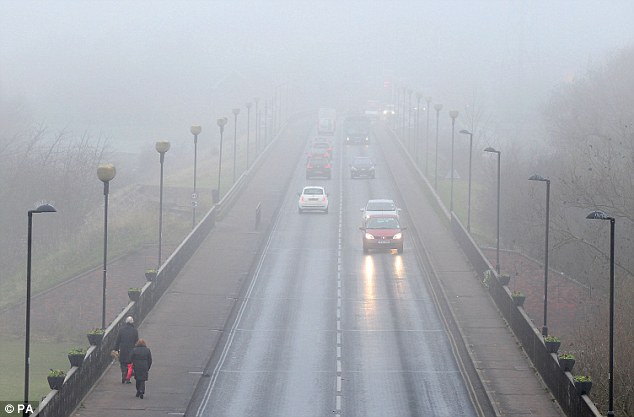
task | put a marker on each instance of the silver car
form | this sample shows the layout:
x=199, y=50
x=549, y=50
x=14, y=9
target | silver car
x=380, y=206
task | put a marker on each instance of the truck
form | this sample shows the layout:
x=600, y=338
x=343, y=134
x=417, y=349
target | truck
x=356, y=130
x=327, y=121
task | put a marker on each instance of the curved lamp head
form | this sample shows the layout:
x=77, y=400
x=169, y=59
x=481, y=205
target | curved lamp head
x=236, y=111
x=438, y=107
x=537, y=177
x=44, y=208
x=195, y=130
x=465, y=132
x=106, y=172
x=222, y=122
x=453, y=114
x=162, y=146
x=490, y=149
x=599, y=215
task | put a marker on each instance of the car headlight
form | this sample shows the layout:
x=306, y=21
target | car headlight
x=398, y=236
x=367, y=138
x=369, y=236
x=348, y=138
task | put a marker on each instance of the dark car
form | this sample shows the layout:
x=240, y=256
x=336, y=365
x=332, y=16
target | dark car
x=356, y=130
x=382, y=232
x=318, y=166
x=362, y=166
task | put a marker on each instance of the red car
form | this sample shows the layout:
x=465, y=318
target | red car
x=382, y=232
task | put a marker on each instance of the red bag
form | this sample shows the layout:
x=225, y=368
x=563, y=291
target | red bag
x=130, y=368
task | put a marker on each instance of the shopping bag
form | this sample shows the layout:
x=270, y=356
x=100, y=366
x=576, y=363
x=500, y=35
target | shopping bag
x=130, y=369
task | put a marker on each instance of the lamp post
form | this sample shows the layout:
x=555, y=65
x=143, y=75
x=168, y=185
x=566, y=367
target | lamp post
x=105, y=173
x=466, y=132
x=195, y=130
x=409, y=120
x=428, y=101
x=162, y=146
x=453, y=114
x=248, y=106
x=403, y=121
x=497, y=239
x=602, y=216
x=236, y=112
x=537, y=177
x=438, y=108
x=44, y=208
x=221, y=124
x=417, y=140
x=257, y=126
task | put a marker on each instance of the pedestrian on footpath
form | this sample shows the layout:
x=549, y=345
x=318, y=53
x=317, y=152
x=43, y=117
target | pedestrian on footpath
x=126, y=340
x=141, y=358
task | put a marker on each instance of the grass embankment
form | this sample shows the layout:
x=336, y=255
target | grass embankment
x=44, y=356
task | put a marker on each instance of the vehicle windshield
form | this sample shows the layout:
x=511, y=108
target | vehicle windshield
x=321, y=145
x=382, y=223
x=313, y=191
x=362, y=161
x=380, y=206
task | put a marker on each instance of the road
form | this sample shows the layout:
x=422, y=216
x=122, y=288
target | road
x=325, y=330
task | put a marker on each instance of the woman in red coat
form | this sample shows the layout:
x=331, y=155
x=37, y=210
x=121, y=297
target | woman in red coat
x=141, y=359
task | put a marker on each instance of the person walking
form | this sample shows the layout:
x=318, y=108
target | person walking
x=126, y=340
x=141, y=358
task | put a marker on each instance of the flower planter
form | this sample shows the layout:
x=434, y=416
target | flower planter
x=95, y=338
x=583, y=387
x=150, y=275
x=134, y=295
x=504, y=279
x=518, y=300
x=76, y=360
x=55, y=382
x=566, y=364
x=552, y=347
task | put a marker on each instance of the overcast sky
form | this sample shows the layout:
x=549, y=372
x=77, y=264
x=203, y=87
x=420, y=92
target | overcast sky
x=142, y=70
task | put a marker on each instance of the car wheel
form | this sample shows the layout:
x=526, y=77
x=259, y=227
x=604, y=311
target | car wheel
x=326, y=211
x=351, y=176
x=365, y=250
x=399, y=249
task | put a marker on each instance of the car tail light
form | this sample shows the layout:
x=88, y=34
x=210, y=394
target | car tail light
x=327, y=166
x=323, y=198
x=309, y=166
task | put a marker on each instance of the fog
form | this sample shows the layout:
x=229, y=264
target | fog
x=143, y=70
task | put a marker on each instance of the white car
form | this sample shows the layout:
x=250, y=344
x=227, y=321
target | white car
x=381, y=206
x=313, y=198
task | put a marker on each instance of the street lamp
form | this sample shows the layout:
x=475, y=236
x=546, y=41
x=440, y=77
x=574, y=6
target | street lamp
x=44, y=208
x=438, y=108
x=221, y=124
x=403, y=121
x=417, y=140
x=162, y=146
x=466, y=132
x=428, y=100
x=105, y=173
x=236, y=112
x=453, y=114
x=248, y=106
x=602, y=216
x=497, y=239
x=257, y=126
x=195, y=131
x=537, y=177
x=409, y=120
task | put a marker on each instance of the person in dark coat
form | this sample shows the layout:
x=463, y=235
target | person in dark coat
x=126, y=340
x=141, y=358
